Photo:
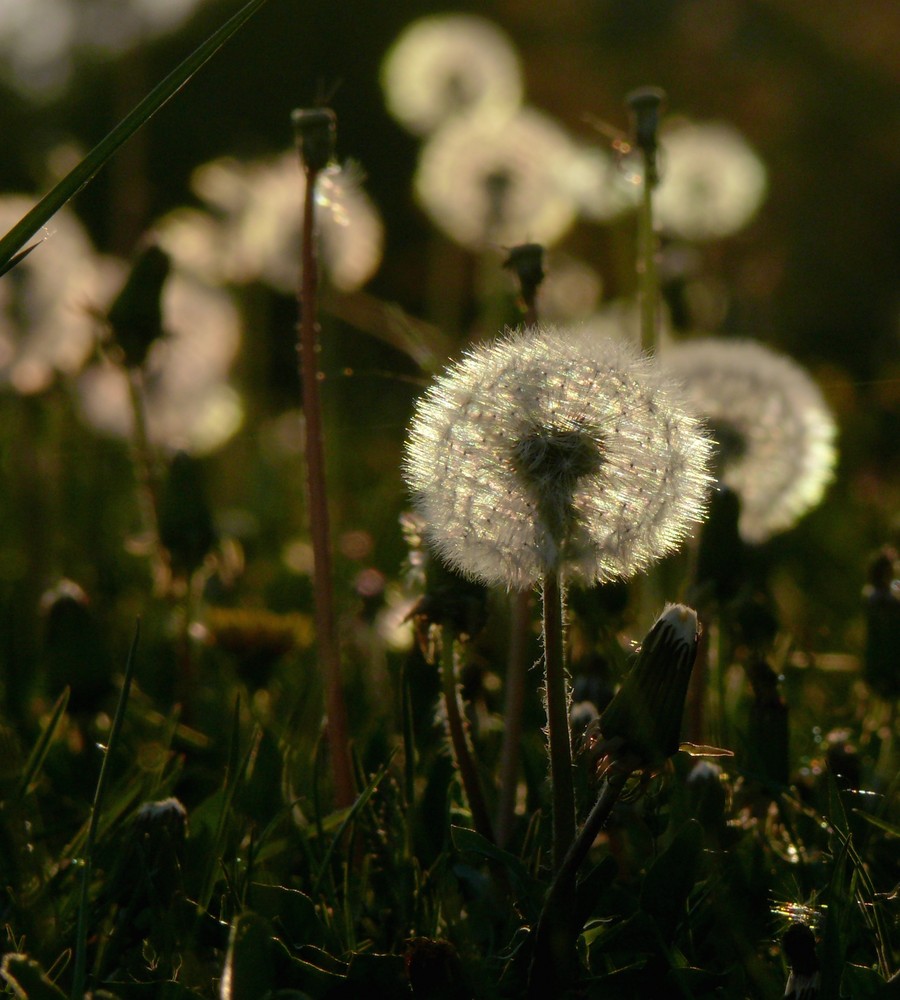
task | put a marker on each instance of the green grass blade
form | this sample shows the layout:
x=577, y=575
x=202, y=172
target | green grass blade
x=78, y=975
x=76, y=179
x=39, y=753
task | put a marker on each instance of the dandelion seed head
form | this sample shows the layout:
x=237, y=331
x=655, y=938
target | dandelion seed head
x=487, y=180
x=48, y=301
x=712, y=181
x=450, y=64
x=552, y=450
x=776, y=434
x=254, y=231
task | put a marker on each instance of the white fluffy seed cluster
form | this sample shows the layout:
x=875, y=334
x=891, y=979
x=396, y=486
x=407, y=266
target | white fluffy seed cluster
x=553, y=451
x=776, y=431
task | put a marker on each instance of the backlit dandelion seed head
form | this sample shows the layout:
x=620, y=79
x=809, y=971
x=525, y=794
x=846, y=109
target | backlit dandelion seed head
x=255, y=232
x=48, y=301
x=450, y=64
x=498, y=181
x=712, y=181
x=551, y=451
x=776, y=434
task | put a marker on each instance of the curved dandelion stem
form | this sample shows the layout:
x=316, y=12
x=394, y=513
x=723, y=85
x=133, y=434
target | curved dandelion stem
x=558, y=927
x=558, y=734
x=326, y=634
x=462, y=752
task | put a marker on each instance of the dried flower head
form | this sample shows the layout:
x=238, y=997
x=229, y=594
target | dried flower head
x=255, y=233
x=550, y=451
x=774, y=430
x=189, y=404
x=445, y=65
x=498, y=180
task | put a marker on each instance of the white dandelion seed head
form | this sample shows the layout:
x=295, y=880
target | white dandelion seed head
x=601, y=188
x=712, y=181
x=502, y=181
x=550, y=450
x=450, y=64
x=189, y=405
x=49, y=300
x=255, y=233
x=776, y=434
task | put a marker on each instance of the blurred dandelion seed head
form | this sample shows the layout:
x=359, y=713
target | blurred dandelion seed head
x=255, y=230
x=776, y=434
x=488, y=180
x=48, y=302
x=451, y=64
x=712, y=181
x=551, y=450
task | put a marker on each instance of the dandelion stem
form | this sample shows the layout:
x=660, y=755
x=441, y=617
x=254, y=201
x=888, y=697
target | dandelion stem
x=514, y=707
x=326, y=633
x=557, y=930
x=462, y=752
x=648, y=279
x=558, y=734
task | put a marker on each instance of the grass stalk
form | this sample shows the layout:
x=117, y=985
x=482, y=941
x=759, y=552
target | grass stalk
x=558, y=733
x=80, y=963
x=648, y=276
x=326, y=632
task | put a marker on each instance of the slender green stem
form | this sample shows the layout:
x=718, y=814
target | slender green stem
x=648, y=278
x=462, y=751
x=326, y=632
x=558, y=733
x=80, y=966
x=557, y=930
x=513, y=710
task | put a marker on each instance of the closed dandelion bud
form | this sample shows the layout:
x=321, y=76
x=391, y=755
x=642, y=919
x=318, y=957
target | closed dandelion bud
x=450, y=599
x=526, y=261
x=646, y=104
x=882, y=605
x=160, y=832
x=185, y=521
x=74, y=653
x=315, y=131
x=768, y=731
x=135, y=317
x=643, y=721
x=799, y=944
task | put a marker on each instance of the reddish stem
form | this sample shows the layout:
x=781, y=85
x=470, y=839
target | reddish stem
x=326, y=632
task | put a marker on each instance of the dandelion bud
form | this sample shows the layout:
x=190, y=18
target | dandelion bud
x=882, y=604
x=526, y=261
x=135, y=317
x=644, y=718
x=799, y=944
x=315, y=131
x=185, y=522
x=721, y=555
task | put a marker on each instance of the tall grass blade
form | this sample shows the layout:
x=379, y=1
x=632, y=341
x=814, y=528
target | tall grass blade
x=41, y=748
x=79, y=176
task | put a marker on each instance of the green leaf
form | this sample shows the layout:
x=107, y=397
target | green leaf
x=882, y=824
x=248, y=971
x=528, y=890
x=79, y=176
x=28, y=980
x=293, y=911
x=672, y=876
x=862, y=983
